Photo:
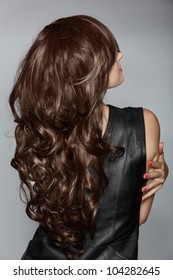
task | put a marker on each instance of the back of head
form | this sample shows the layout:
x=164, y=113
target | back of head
x=59, y=94
x=68, y=64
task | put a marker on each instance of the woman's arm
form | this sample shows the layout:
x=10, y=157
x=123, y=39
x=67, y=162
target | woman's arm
x=152, y=138
x=158, y=172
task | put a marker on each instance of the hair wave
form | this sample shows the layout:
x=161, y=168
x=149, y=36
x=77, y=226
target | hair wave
x=57, y=104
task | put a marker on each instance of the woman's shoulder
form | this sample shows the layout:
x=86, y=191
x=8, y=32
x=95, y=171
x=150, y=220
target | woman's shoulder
x=150, y=118
x=152, y=125
x=136, y=114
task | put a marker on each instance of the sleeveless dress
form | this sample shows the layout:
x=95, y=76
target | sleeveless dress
x=117, y=219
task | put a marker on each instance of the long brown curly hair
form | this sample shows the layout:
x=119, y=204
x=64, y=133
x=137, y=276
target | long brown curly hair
x=57, y=104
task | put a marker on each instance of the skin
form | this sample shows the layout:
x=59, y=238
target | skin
x=156, y=169
x=152, y=138
x=116, y=76
x=157, y=174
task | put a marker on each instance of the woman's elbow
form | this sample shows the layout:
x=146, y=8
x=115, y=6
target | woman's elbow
x=143, y=220
x=143, y=217
x=145, y=209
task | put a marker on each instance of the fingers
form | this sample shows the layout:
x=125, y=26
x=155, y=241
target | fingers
x=152, y=187
x=151, y=184
x=151, y=192
x=156, y=164
x=154, y=174
x=161, y=146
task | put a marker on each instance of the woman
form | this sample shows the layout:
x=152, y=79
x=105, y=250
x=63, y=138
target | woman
x=81, y=162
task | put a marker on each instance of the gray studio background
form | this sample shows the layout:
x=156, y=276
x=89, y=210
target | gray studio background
x=144, y=32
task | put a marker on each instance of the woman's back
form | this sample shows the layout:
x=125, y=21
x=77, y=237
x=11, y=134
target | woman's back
x=117, y=219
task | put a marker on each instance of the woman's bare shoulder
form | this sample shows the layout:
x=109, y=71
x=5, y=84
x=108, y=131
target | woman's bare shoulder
x=150, y=117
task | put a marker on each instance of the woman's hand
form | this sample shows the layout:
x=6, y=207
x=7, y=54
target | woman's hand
x=156, y=175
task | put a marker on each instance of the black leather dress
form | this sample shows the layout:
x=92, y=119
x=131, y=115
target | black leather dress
x=117, y=220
